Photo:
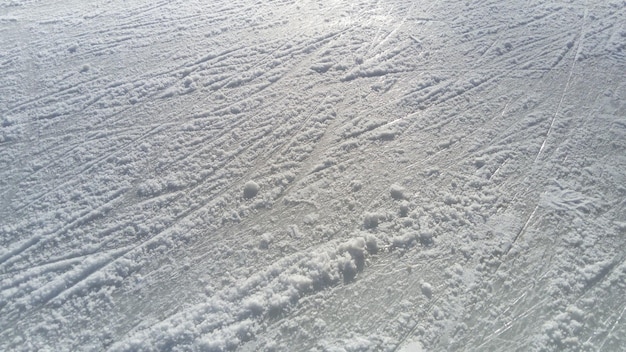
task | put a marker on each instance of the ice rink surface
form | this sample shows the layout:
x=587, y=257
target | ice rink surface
x=292, y=175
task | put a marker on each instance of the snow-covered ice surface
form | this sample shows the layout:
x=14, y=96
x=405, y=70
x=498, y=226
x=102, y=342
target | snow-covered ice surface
x=291, y=175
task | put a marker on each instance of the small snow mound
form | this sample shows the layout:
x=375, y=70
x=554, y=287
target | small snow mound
x=370, y=220
x=397, y=192
x=255, y=305
x=347, y=267
x=6, y=121
x=404, y=209
x=356, y=247
x=403, y=240
x=356, y=185
x=250, y=189
x=426, y=238
x=266, y=239
x=371, y=244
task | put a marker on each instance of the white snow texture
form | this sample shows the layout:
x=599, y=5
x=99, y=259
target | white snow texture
x=305, y=175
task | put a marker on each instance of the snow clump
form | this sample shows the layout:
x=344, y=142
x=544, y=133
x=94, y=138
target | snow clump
x=427, y=289
x=404, y=209
x=370, y=220
x=397, y=192
x=250, y=189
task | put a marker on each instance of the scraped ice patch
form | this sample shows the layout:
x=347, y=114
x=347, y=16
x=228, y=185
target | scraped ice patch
x=311, y=219
x=324, y=165
x=413, y=346
x=228, y=315
x=351, y=343
x=158, y=186
x=368, y=73
x=84, y=276
x=564, y=199
x=384, y=133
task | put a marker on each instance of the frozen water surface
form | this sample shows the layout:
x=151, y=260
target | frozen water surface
x=312, y=175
